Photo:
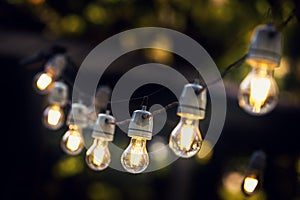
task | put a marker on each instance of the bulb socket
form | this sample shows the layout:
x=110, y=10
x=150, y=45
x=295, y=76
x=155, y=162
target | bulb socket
x=266, y=46
x=192, y=101
x=59, y=94
x=78, y=115
x=257, y=161
x=104, y=127
x=101, y=98
x=56, y=65
x=141, y=124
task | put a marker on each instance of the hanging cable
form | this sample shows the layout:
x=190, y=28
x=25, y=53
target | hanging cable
x=287, y=20
x=44, y=54
x=232, y=66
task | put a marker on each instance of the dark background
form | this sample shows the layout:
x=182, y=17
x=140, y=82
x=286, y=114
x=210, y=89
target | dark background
x=34, y=166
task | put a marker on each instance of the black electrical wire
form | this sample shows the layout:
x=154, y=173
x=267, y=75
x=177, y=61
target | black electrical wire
x=44, y=54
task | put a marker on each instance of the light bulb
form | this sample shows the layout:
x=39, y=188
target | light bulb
x=42, y=82
x=185, y=139
x=98, y=155
x=52, y=70
x=249, y=185
x=135, y=158
x=258, y=92
x=53, y=117
x=253, y=177
x=72, y=141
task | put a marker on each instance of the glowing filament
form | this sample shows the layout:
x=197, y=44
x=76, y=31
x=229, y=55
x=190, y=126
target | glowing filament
x=187, y=136
x=136, y=154
x=98, y=157
x=259, y=91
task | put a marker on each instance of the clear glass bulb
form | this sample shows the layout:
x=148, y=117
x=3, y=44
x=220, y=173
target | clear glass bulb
x=258, y=93
x=53, y=117
x=43, y=82
x=98, y=155
x=72, y=141
x=185, y=139
x=135, y=158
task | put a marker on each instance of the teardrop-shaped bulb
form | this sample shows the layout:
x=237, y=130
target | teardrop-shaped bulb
x=185, y=139
x=135, y=158
x=72, y=141
x=98, y=155
x=258, y=93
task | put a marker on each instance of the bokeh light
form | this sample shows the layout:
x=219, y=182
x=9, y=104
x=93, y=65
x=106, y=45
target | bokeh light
x=95, y=14
x=68, y=167
x=73, y=24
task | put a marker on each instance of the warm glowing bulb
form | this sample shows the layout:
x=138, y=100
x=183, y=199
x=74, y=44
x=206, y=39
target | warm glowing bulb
x=53, y=117
x=98, y=155
x=185, y=139
x=249, y=185
x=258, y=92
x=42, y=82
x=135, y=158
x=72, y=141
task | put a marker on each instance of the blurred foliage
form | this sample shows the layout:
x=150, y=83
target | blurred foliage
x=68, y=166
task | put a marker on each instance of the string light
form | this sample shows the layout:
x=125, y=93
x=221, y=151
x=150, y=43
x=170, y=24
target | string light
x=258, y=92
x=52, y=70
x=253, y=177
x=135, y=158
x=186, y=140
x=72, y=141
x=53, y=116
x=98, y=155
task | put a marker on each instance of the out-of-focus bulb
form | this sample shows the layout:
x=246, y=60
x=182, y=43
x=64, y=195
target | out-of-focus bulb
x=43, y=81
x=72, y=141
x=53, y=116
x=135, y=158
x=98, y=155
x=253, y=177
x=250, y=184
x=186, y=140
x=258, y=92
x=52, y=70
